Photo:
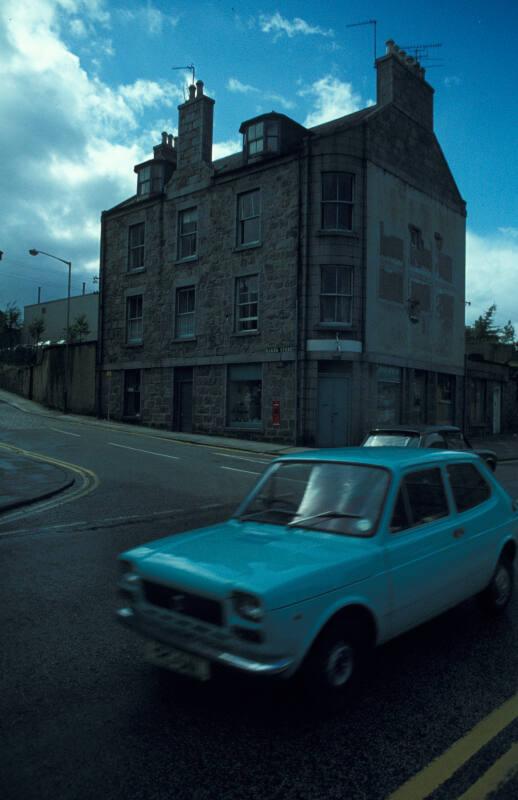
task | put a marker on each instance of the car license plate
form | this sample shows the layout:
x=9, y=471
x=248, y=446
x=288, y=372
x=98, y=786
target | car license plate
x=178, y=661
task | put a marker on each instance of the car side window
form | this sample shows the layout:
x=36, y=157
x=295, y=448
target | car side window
x=426, y=496
x=468, y=485
x=436, y=440
x=400, y=520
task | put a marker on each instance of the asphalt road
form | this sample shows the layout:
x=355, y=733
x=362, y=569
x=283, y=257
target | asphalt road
x=83, y=716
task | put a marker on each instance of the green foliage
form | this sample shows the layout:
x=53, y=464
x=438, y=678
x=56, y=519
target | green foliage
x=507, y=335
x=79, y=328
x=10, y=325
x=36, y=328
x=484, y=329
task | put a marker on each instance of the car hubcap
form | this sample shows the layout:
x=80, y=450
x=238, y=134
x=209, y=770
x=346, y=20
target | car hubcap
x=502, y=586
x=340, y=664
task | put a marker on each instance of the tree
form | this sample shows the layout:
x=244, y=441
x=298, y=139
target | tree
x=484, y=329
x=36, y=328
x=10, y=322
x=507, y=333
x=80, y=328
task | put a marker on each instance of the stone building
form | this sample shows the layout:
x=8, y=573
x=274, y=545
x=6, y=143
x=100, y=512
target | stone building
x=300, y=290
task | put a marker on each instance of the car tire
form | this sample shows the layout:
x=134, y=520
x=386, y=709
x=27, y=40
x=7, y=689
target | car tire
x=496, y=596
x=333, y=665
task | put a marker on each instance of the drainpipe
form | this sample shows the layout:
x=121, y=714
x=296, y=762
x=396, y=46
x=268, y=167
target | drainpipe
x=100, y=332
x=304, y=289
x=364, y=361
x=297, y=297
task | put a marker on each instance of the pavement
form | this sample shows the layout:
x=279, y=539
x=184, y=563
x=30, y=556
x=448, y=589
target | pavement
x=26, y=479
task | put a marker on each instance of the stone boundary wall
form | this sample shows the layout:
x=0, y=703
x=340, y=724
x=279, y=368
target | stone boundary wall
x=44, y=382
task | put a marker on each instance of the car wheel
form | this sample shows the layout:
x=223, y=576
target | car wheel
x=333, y=664
x=496, y=596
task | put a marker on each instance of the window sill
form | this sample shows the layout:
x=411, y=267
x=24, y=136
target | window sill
x=179, y=339
x=136, y=270
x=341, y=233
x=246, y=333
x=252, y=246
x=186, y=260
x=134, y=344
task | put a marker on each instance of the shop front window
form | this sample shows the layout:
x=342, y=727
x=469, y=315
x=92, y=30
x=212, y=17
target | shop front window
x=389, y=395
x=445, y=396
x=244, y=397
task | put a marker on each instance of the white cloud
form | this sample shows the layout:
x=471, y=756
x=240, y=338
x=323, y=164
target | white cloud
x=281, y=26
x=235, y=85
x=70, y=139
x=226, y=148
x=491, y=276
x=333, y=98
x=512, y=232
x=452, y=80
x=149, y=17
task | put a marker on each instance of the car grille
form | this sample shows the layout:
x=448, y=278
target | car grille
x=183, y=602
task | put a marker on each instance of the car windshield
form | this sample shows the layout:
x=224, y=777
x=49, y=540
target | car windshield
x=392, y=440
x=328, y=496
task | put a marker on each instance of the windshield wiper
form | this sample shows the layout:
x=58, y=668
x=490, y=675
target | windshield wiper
x=266, y=511
x=335, y=514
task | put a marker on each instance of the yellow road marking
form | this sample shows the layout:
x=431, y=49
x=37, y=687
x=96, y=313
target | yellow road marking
x=500, y=772
x=89, y=482
x=443, y=767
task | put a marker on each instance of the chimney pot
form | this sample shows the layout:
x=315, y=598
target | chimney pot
x=199, y=88
x=164, y=137
x=389, y=44
x=170, y=140
x=402, y=54
x=192, y=91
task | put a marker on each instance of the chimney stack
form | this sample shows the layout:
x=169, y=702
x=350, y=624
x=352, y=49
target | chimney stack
x=400, y=80
x=195, y=120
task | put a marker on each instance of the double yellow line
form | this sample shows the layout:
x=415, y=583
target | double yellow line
x=88, y=481
x=442, y=768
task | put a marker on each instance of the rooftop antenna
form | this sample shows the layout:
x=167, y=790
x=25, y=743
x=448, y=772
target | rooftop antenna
x=372, y=22
x=189, y=66
x=420, y=53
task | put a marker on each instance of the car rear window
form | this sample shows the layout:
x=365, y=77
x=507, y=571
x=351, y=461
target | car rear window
x=468, y=485
x=391, y=440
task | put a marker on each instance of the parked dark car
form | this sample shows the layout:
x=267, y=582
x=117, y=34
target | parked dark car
x=444, y=437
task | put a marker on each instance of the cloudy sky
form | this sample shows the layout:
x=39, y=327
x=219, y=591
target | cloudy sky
x=88, y=85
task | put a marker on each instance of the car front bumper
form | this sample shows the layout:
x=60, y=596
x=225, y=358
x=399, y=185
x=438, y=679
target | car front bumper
x=212, y=651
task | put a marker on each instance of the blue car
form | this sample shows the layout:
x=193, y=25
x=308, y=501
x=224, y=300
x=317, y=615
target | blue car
x=332, y=553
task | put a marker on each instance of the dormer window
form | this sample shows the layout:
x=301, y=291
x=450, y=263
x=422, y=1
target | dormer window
x=263, y=137
x=150, y=179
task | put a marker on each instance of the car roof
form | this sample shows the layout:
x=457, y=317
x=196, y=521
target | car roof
x=417, y=428
x=390, y=457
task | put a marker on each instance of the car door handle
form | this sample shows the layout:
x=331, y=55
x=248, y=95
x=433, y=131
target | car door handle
x=458, y=532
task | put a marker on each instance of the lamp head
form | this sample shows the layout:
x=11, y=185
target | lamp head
x=34, y=252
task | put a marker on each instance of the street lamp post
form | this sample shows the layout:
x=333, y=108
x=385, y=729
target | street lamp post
x=67, y=340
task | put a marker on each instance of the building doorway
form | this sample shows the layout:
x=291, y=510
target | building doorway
x=182, y=393
x=334, y=392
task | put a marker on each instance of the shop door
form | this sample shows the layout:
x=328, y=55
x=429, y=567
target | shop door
x=183, y=401
x=333, y=411
x=497, y=405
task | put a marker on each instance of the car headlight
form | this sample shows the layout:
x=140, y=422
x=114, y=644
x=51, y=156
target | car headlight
x=127, y=571
x=247, y=606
